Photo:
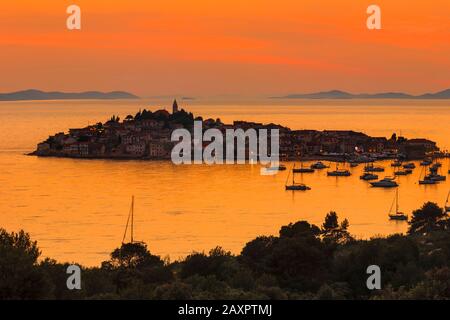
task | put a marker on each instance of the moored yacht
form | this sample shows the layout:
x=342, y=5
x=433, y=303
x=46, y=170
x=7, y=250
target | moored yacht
x=368, y=176
x=435, y=177
x=436, y=165
x=427, y=181
x=387, y=182
x=426, y=162
x=372, y=168
x=410, y=165
x=403, y=172
x=297, y=187
x=396, y=164
x=339, y=172
x=318, y=165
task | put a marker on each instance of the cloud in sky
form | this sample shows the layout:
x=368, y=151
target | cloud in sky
x=225, y=47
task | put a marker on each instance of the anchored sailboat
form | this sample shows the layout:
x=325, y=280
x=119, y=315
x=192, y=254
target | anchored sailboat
x=371, y=168
x=295, y=186
x=404, y=172
x=396, y=163
x=339, y=172
x=130, y=222
x=302, y=168
x=318, y=165
x=427, y=179
x=397, y=215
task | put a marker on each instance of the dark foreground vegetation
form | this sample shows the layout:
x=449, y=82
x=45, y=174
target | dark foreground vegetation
x=303, y=262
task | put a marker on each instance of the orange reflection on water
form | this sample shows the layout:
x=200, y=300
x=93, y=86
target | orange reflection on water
x=77, y=209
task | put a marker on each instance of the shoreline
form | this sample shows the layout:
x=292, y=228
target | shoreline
x=284, y=159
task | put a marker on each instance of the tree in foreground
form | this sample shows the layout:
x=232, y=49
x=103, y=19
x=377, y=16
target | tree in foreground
x=20, y=276
x=133, y=255
x=334, y=232
x=428, y=218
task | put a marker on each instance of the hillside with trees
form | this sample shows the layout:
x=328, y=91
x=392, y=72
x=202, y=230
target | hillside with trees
x=303, y=262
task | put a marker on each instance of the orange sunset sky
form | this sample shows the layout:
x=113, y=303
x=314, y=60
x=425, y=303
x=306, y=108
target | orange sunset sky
x=232, y=47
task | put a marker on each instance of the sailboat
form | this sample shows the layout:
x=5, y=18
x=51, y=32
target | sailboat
x=295, y=186
x=435, y=174
x=409, y=165
x=400, y=172
x=368, y=176
x=130, y=222
x=371, y=168
x=303, y=169
x=397, y=215
x=447, y=205
x=396, y=163
x=319, y=165
x=427, y=179
x=339, y=172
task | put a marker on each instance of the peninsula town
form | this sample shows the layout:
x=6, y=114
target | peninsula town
x=147, y=136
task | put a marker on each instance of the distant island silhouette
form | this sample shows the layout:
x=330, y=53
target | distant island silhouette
x=55, y=95
x=337, y=94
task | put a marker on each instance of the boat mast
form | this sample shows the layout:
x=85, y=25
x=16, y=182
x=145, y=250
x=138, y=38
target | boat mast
x=396, y=206
x=132, y=218
x=287, y=179
x=293, y=175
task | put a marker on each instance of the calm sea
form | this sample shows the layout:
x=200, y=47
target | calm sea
x=77, y=209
